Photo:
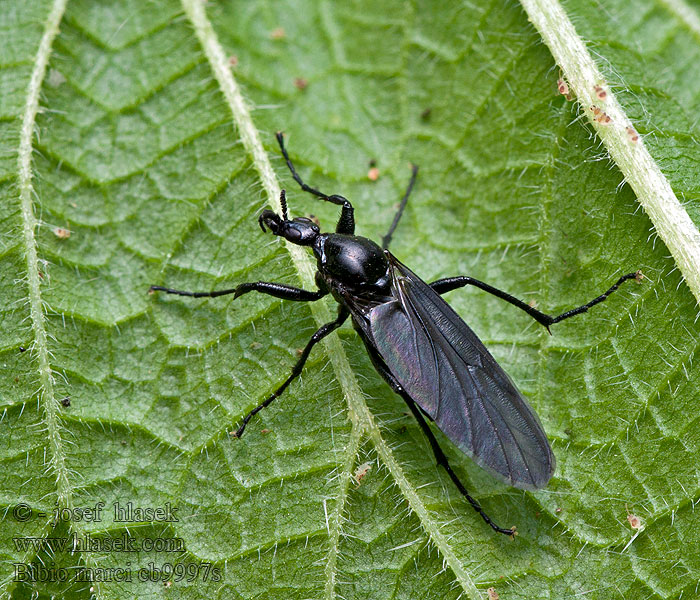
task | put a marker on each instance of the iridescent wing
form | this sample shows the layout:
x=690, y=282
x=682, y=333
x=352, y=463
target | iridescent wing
x=450, y=374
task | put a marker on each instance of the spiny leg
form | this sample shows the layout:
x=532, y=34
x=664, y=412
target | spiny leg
x=346, y=223
x=442, y=461
x=386, y=240
x=278, y=290
x=295, y=175
x=440, y=457
x=441, y=286
x=322, y=332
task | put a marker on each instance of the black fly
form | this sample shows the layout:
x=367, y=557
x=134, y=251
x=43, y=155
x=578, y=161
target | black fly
x=422, y=348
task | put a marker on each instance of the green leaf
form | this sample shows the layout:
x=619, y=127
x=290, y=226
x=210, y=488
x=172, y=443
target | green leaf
x=146, y=130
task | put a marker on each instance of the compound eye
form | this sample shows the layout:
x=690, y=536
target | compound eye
x=292, y=234
x=302, y=220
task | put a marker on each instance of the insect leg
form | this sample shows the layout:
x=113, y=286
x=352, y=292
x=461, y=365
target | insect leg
x=442, y=461
x=442, y=286
x=346, y=223
x=386, y=240
x=322, y=332
x=440, y=457
x=278, y=290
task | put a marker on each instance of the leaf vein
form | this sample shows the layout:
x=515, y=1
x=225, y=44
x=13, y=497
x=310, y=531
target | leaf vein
x=359, y=412
x=671, y=221
x=48, y=399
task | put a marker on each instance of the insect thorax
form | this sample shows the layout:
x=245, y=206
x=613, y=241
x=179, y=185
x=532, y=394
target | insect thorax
x=350, y=260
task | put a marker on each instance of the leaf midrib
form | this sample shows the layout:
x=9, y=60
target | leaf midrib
x=360, y=416
x=671, y=221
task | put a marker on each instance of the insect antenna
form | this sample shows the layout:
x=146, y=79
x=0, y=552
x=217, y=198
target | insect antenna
x=283, y=202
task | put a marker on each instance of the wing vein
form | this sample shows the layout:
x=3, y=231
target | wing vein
x=449, y=373
x=406, y=301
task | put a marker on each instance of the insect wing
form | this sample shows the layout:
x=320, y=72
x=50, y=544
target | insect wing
x=449, y=373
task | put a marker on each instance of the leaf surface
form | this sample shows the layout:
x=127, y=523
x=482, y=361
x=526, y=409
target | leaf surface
x=135, y=140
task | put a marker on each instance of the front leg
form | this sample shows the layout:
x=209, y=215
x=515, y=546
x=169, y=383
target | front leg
x=278, y=290
x=346, y=223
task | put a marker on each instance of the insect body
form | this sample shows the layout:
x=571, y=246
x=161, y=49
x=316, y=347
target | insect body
x=418, y=343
